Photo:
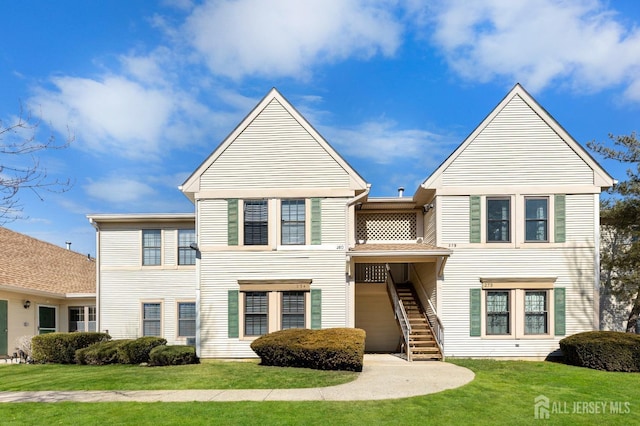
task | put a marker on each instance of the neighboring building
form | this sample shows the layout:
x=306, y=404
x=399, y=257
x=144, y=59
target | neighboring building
x=495, y=255
x=43, y=288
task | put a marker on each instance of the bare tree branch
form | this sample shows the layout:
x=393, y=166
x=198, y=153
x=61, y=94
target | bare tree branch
x=20, y=167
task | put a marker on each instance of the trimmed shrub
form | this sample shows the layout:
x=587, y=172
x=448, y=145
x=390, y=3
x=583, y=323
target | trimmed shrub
x=173, y=355
x=60, y=348
x=137, y=351
x=329, y=349
x=101, y=353
x=603, y=350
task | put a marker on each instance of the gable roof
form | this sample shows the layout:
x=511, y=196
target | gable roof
x=29, y=265
x=192, y=184
x=601, y=177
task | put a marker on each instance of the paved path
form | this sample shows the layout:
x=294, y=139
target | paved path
x=383, y=377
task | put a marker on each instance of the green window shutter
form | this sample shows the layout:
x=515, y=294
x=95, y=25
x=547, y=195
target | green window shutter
x=316, y=309
x=559, y=208
x=474, y=312
x=559, y=303
x=233, y=317
x=232, y=222
x=474, y=219
x=316, y=224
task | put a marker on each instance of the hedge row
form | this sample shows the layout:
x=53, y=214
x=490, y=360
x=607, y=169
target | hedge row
x=603, y=350
x=98, y=349
x=60, y=348
x=328, y=349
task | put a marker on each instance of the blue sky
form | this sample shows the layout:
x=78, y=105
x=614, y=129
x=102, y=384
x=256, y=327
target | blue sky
x=150, y=88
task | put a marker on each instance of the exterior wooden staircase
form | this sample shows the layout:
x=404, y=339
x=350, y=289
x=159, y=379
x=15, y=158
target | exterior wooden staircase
x=422, y=342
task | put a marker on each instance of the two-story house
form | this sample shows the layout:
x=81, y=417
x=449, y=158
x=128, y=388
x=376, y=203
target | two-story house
x=494, y=255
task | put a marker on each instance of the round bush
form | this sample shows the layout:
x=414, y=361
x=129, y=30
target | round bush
x=328, y=349
x=101, y=353
x=137, y=351
x=603, y=350
x=173, y=355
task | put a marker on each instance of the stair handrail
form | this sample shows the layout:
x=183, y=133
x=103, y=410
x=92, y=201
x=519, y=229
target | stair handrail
x=400, y=313
x=432, y=316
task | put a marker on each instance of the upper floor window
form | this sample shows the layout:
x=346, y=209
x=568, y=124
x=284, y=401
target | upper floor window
x=256, y=223
x=151, y=245
x=536, y=219
x=293, y=222
x=498, y=219
x=186, y=255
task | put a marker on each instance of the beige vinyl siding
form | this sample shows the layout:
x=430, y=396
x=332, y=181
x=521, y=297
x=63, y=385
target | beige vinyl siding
x=125, y=283
x=123, y=292
x=580, y=217
x=517, y=147
x=573, y=268
x=222, y=270
x=430, y=231
x=120, y=247
x=333, y=220
x=170, y=247
x=274, y=151
x=212, y=219
x=454, y=220
x=425, y=282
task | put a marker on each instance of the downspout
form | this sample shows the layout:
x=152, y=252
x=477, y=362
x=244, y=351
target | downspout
x=198, y=269
x=98, y=260
x=348, y=231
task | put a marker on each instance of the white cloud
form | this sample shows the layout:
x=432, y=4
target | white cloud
x=382, y=142
x=114, y=115
x=538, y=42
x=119, y=190
x=289, y=37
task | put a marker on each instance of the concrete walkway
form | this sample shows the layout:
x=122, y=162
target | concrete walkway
x=383, y=377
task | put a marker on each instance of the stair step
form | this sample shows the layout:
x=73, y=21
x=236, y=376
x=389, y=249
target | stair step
x=433, y=357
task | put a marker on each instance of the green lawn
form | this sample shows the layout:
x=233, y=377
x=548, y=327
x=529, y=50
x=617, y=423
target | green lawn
x=208, y=375
x=503, y=392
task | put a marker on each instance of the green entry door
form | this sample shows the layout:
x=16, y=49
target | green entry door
x=46, y=319
x=4, y=328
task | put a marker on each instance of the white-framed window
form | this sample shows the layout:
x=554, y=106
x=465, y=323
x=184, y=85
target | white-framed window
x=82, y=318
x=151, y=247
x=518, y=310
x=498, y=219
x=152, y=319
x=256, y=222
x=293, y=309
x=536, y=219
x=266, y=306
x=186, y=255
x=498, y=308
x=186, y=319
x=293, y=221
x=256, y=313
x=536, y=312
